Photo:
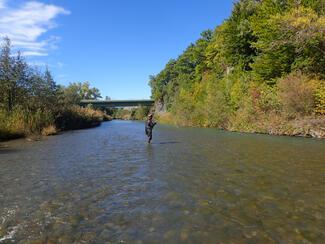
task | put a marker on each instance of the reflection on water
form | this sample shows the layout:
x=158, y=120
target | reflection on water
x=189, y=185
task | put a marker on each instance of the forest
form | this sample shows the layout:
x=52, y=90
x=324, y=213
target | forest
x=262, y=70
x=32, y=104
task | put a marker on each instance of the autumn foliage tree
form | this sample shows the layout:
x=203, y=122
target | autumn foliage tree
x=266, y=59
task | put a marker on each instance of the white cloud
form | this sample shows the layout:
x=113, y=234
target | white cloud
x=34, y=53
x=42, y=64
x=26, y=24
x=2, y=4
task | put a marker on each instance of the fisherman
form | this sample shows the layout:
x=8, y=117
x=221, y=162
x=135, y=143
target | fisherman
x=149, y=126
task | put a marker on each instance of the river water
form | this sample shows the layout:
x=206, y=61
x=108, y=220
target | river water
x=107, y=185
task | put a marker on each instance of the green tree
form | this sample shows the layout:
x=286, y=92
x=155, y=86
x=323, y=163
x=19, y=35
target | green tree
x=7, y=81
x=77, y=91
x=233, y=77
x=287, y=41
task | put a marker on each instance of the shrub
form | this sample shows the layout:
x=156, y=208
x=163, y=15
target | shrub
x=244, y=117
x=320, y=99
x=141, y=113
x=217, y=104
x=20, y=123
x=183, y=108
x=36, y=121
x=236, y=94
x=49, y=130
x=165, y=118
x=268, y=98
x=298, y=94
x=78, y=118
x=10, y=128
x=131, y=114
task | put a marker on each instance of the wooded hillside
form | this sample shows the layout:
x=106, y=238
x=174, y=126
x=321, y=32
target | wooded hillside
x=261, y=70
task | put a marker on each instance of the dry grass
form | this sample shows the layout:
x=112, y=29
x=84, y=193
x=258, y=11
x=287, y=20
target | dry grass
x=49, y=130
x=80, y=118
x=20, y=123
x=298, y=94
x=165, y=118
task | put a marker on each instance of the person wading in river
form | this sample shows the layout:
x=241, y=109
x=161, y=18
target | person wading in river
x=149, y=126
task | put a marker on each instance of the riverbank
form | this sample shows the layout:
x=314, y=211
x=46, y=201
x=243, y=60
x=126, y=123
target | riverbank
x=22, y=124
x=311, y=126
x=32, y=104
x=139, y=113
x=260, y=71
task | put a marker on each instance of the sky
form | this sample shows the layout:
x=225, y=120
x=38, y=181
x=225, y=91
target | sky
x=114, y=44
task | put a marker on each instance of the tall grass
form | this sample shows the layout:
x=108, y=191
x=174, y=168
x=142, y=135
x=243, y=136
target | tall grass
x=22, y=123
x=79, y=118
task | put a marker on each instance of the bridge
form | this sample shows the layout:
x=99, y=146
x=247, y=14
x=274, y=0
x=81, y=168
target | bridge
x=117, y=103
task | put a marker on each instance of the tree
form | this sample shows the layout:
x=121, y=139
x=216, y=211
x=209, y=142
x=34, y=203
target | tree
x=50, y=90
x=231, y=44
x=233, y=73
x=6, y=75
x=88, y=93
x=21, y=84
x=287, y=41
x=77, y=91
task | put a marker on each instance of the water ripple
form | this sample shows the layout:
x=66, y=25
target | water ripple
x=190, y=185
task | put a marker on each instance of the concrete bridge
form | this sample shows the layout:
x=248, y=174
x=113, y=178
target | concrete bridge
x=117, y=103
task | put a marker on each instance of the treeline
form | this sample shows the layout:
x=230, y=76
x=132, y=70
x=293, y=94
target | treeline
x=261, y=70
x=139, y=113
x=31, y=103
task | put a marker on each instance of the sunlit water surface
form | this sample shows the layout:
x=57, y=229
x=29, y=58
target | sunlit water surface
x=190, y=185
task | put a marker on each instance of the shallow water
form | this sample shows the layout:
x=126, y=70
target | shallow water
x=190, y=185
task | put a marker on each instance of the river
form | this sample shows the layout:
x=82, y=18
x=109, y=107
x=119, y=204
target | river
x=191, y=185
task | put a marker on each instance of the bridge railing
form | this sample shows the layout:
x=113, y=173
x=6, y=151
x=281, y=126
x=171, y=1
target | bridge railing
x=117, y=103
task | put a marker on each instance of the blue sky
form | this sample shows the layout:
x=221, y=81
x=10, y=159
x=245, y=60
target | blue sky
x=113, y=44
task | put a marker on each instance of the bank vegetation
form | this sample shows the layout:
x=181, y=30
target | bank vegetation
x=262, y=70
x=138, y=113
x=32, y=104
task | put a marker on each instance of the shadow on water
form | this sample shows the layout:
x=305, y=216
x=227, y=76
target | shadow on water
x=6, y=150
x=166, y=142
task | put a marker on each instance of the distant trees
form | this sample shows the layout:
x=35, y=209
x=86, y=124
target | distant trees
x=77, y=91
x=139, y=113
